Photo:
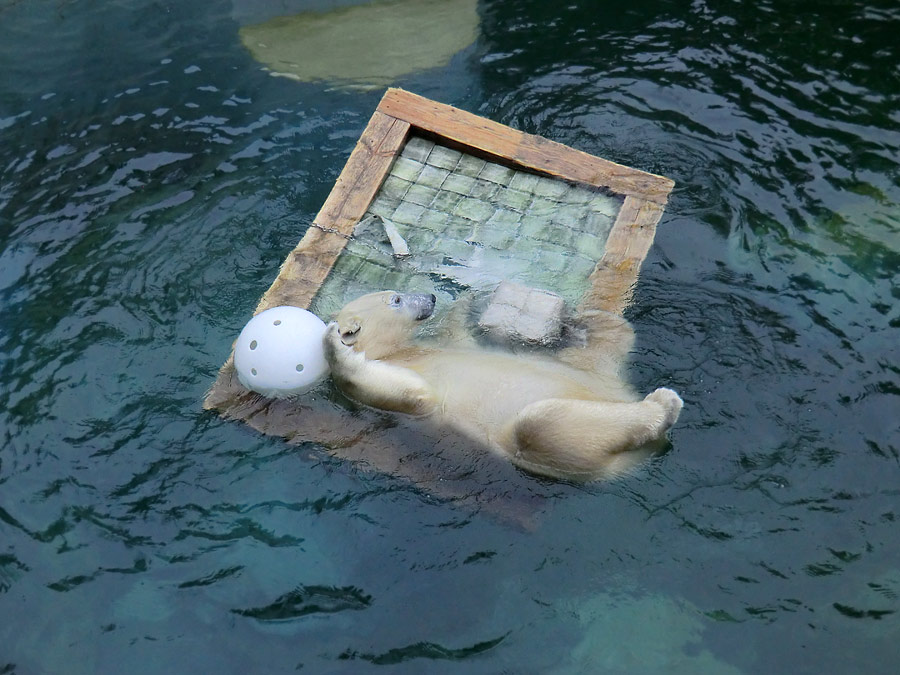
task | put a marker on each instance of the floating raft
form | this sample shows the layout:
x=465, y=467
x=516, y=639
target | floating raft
x=476, y=203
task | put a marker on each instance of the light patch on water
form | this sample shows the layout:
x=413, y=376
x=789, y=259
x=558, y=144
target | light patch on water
x=645, y=634
x=371, y=45
x=144, y=602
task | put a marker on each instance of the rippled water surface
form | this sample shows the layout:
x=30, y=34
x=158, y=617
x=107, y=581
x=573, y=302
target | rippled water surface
x=152, y=179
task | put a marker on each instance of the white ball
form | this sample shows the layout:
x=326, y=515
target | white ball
x=280, y=354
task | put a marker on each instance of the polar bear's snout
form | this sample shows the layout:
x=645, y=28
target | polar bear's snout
x=419, y=305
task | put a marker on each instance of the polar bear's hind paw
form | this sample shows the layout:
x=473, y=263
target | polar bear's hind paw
x=671, y=403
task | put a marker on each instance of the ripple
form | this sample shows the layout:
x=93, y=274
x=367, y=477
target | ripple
x=307, y=600
x=423, y=650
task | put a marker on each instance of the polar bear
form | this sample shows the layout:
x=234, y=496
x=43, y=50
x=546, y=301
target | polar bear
x=556, y=417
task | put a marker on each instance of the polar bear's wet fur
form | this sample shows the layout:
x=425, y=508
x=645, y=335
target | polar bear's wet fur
x=572, y=416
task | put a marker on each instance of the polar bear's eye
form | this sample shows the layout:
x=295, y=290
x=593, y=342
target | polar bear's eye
x=396, y=301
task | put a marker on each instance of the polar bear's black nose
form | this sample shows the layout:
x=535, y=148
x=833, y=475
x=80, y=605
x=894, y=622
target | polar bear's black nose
x=421, y=304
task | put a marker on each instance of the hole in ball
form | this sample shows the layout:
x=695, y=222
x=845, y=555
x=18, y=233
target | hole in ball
x=253, y=371
x=277, y=322
x=299, y=367
x=253, y=345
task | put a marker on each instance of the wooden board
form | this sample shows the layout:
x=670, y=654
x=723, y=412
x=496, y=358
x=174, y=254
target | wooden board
x=613, y=280
x=307, y=266
x=382, y=442
x=482, y=136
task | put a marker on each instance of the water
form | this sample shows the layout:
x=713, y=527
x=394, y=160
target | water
x=152, y=179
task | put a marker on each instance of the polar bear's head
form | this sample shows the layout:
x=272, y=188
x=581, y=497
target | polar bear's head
x=380, y=324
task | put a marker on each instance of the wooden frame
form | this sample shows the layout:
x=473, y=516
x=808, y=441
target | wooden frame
x=399, y=115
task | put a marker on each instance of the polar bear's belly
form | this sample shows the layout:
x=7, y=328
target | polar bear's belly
x=483, y=391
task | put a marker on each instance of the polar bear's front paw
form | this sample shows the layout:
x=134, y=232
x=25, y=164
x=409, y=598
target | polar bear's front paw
x=339, y=356
x=332, y=343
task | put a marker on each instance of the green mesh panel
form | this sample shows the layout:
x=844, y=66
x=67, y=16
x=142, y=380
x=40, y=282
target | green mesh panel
x=470, y=224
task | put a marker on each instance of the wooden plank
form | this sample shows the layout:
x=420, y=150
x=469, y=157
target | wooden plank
x=615, y=276
x=376, y=441
x=363, y=174
x=525, y=150
x=304, y=270
x=308, y=265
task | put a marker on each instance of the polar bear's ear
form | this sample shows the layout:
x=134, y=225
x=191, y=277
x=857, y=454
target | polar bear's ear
x=350, y=332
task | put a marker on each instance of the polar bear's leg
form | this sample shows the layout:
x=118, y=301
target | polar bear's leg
x=583, y=440
x=376, y=383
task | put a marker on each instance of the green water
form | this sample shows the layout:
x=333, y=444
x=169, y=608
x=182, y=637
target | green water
x=153, y=178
